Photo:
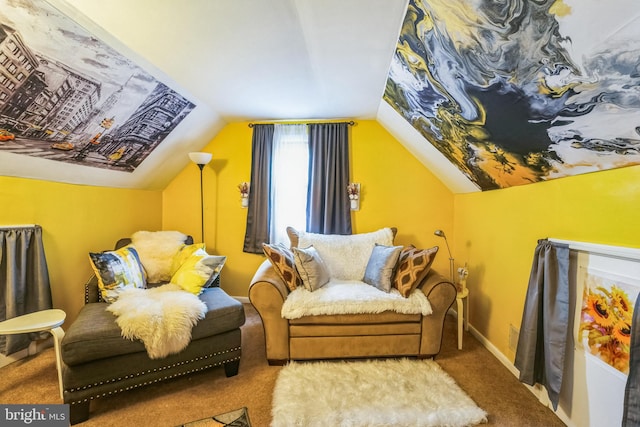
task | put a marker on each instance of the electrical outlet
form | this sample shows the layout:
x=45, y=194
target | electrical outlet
x=514, y=333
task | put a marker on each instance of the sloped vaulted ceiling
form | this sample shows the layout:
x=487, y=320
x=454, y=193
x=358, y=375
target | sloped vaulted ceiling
x=78, y=105
x=234, y=60
x=521, y=91
x=486, y=94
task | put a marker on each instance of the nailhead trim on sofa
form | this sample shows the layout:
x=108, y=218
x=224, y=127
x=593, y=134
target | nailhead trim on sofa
x=157, y=379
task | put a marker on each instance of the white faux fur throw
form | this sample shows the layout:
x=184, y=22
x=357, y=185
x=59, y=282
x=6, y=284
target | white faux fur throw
x=156, y=250
x=352, y=297
x=161, y=317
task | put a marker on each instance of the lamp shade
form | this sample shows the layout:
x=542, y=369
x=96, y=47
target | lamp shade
x=200, y=158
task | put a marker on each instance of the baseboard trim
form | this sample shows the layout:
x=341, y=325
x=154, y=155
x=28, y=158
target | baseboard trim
x=35, y=347
x=244, y=300
x=13, y=357
x=494, y=350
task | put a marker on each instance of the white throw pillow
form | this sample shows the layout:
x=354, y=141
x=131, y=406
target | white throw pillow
x=346, y=256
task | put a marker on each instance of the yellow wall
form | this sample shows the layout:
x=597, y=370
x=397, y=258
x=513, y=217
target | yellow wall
x=497, y=231
x=397, y=191
x=75, y=220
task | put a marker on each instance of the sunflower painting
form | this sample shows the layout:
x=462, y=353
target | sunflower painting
x=605, y=321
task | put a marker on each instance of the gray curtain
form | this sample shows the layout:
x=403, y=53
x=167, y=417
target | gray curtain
x=631, y=414
x=257, y=231
x=24, y=281
x=545, y=321
x=328, y=209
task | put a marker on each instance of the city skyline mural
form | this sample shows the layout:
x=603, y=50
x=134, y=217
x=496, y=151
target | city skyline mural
x=65, y=95
x=519, y=92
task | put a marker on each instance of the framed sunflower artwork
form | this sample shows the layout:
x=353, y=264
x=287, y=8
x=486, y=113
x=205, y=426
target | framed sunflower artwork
x=604, y=284
x=605, y=316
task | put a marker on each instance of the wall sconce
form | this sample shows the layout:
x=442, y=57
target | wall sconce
x=244, y=194
x=353, y=190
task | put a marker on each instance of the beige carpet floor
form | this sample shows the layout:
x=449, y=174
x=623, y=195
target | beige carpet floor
x=478, y=372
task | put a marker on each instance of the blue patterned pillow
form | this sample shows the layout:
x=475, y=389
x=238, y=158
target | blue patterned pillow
x=117, y=271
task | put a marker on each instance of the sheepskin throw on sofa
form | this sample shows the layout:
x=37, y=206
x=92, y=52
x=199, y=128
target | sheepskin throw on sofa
x=352, y=297
x=161, y=317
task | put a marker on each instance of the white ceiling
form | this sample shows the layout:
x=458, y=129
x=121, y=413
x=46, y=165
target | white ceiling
x=239, y=60
x=264, y=60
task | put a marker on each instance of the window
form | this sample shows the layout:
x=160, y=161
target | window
x=289, y=178
x=299, y=178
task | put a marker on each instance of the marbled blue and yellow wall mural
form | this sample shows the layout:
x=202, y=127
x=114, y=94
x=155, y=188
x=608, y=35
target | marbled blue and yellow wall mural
x=521, y=91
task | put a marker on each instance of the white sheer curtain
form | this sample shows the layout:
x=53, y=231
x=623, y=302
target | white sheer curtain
x=289, y=178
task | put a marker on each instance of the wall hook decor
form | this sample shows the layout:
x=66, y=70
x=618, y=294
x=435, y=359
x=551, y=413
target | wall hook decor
x=244, y=194
x=353, y=190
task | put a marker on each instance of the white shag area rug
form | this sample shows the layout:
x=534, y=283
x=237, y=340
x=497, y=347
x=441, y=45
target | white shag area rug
x=162, y=318
x=352, y=297
x=371, y=393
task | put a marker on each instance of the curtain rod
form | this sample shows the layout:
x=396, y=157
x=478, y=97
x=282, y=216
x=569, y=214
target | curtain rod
x=350, y=123
x=8, y=227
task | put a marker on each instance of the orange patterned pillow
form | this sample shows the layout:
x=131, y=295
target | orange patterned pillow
x=413, y=265
x=284, y=263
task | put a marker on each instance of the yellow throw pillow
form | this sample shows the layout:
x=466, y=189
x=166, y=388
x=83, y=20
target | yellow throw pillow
x=198, y=271
x=116, y=271
x=183, y=254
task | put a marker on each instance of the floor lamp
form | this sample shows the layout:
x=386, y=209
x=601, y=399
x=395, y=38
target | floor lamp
x=201, y=159
x=440, y=233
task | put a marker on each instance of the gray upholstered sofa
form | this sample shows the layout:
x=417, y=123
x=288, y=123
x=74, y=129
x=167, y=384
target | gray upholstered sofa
x=349, y=335
x=98, y=362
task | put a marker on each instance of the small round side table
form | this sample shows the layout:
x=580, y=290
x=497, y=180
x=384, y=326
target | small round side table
x=38, y=321
x=463, y=316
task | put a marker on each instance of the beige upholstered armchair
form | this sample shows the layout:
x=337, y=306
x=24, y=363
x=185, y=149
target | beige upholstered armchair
x=383, y=333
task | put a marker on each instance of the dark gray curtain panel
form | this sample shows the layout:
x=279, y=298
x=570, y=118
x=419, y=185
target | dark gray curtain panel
x=631, y=413
x=545, y=322
x=24, y=281
x=257, y=231
x=328, y=210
